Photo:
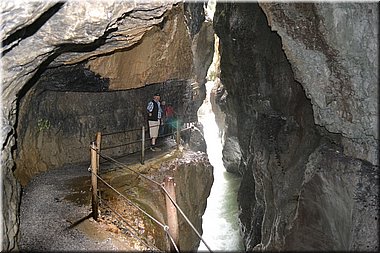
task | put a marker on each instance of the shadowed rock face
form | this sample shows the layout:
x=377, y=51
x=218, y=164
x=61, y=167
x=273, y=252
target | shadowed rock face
x=56, y=127
x=296, y=111
x=54, y=95
x=300, y=98
x=193, y=176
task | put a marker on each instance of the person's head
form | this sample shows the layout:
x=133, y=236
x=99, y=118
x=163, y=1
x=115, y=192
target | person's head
x=156, y=96
x=163, y=102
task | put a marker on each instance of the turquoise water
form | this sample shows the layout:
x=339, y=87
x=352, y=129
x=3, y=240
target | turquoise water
x=220, y=220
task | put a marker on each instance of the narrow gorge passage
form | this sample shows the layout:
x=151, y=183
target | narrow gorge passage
x=220, y=220
x=296, y=101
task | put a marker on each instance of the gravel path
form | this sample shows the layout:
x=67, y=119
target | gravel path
x=51, y=203
x=55, y=212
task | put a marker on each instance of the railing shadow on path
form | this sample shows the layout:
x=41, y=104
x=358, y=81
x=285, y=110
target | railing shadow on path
x=139, y=151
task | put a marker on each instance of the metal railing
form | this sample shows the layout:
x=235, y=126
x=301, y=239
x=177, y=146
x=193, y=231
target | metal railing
x=168, y=188
x=135, y=140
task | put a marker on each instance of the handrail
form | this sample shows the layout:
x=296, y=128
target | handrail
x=128, y=200
x=94, y=169
x=154, y=182
x=140, y=140
x=119, y=132
x=135, y=129
x=121, y=145
x=164, y=226
x=134, y=233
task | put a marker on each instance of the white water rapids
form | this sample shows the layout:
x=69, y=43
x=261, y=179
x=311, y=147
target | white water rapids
x=220, y=220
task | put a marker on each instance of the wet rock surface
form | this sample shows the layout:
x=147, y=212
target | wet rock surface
x=46, y=214
x=39, y=36
x=63, y=196
x=286, y=67
x=56, y=127
x=338, y=196
x=336, y=65
x=291, y=132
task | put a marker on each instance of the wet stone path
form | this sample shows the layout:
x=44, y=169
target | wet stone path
x=55, y=213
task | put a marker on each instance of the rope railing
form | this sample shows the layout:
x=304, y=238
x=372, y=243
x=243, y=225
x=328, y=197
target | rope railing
x=132, y=231
x=97, y=153
x=129, y=201
x=121, y=145
x=136, y=234
x=143, y=147
x=164, y=226
x=130, y=130
x=120, y=132
x=139, y=140
x=171, y=239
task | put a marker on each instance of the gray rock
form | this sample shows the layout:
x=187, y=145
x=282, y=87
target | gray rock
x=300, y=98
x=40, y=34
x=334, y=57
x=232, y=155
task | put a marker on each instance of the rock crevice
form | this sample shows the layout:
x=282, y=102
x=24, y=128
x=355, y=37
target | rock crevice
x=48, y=41
x=300, y=125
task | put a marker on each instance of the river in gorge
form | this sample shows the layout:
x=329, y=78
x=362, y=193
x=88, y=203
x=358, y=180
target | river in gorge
x=220, y=220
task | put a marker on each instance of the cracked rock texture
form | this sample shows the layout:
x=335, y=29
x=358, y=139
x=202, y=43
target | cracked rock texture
x=300, y=94
x=333, y=50
x=45, y=39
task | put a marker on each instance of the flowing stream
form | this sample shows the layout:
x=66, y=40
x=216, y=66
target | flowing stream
x=220, y=220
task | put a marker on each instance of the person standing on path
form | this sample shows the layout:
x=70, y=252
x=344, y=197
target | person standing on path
x=154, y=117
x=161, y=131
x=169, y=118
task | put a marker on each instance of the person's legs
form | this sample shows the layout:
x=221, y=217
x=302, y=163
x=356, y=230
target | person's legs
x=153, y=131
x=162, y=130
x=170, y=125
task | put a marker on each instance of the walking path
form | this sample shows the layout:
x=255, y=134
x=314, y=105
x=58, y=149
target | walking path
x=55, y=214
x=46, y=214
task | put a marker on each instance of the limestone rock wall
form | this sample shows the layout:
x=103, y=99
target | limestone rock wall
x=333, y=54
x=56, y=127
x=165, y=47
x=193, y=177
x=300, y=97
x=36, y=33
x=46, y=35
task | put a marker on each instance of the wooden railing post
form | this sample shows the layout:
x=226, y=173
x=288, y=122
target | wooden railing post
x=98, y=141
x=171, y=210
x=94, y=180
x=178, y=137
x=142, y=144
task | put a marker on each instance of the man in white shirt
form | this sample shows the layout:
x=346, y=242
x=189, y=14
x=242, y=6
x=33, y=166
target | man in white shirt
x=154, y=118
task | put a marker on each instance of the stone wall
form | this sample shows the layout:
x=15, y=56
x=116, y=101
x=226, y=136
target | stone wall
x=333, y=54
x=56, y=127
x=193, y=177
x=49, y=35
x=164, y=53
x=300, y=122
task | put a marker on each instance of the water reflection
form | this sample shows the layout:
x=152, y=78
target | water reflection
x=220, y=221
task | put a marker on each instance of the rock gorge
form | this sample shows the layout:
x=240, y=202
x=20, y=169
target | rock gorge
x=300, y=91
x=66, y=77
x=299, y=87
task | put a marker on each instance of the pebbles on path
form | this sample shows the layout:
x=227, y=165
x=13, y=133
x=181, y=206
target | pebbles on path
x=46, y=215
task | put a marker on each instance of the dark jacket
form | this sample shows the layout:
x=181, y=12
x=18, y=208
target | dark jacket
x=154, y=112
